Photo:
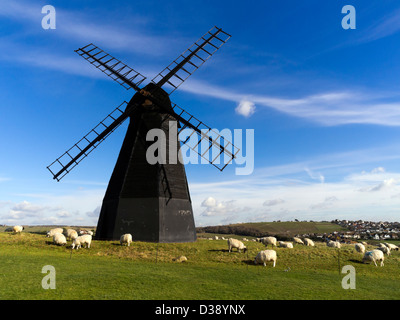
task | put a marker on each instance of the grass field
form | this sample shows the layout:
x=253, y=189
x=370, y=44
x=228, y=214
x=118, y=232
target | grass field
x=293, y=228
x=147, y=271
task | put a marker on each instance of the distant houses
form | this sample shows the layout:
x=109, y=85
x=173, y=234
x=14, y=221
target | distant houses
x=360, y=229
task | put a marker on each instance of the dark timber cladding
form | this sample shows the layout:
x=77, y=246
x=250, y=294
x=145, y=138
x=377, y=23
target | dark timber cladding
x=150, y=200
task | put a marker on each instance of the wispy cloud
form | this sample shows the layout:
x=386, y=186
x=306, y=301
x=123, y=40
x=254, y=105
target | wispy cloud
x=315, y=176
x=326, y=108
x=383, y=27
x=78, y=26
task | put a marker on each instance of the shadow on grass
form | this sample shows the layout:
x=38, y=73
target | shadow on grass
x=356, y=261
x=219, y=250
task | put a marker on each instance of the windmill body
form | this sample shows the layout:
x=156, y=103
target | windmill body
x=151, y=201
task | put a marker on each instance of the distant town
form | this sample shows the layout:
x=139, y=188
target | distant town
x=360, y=229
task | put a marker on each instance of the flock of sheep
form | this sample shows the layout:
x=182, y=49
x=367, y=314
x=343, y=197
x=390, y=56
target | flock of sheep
x=84, y=238
x=265, y=256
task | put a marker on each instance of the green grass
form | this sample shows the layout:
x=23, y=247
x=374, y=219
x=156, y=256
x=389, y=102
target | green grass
x=146, y=271
x=292, y=228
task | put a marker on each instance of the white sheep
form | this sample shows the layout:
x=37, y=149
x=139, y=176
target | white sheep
x=298, y=240
x=126, y=238
x=82, y=232
x=266, y=256
x=308, y=242
x=392, y=246
x=359, y=247
x=71, y=234
x=235, y=243
x=52, y=232
x=59, y=239
x=283, y=244
x=268, y=240
x=216, y=238
x=180, y=259
x=374, y=255
x=82, y=240
x=17, y=229
x=333, y=244
x=385, y=250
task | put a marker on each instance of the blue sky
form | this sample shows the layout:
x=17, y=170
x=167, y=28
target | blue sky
x=323, y=102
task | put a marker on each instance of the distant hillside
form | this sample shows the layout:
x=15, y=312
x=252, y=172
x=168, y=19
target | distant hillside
x=282, y=229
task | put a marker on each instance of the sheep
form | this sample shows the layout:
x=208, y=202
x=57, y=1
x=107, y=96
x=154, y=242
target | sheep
x=216, y=238
x=82, y=232
x=374, y=255
x=298, y=240
x=17, y=229
x=52, y=232
x=308, y=242
x=359, y=247
x=333, y=244
x=392, y=246
x=385, y=250
x=268, y=240
x=81, y=240
x=71, y=234
x=283, y=244
x=59, y=239
x=235, y=243
x=126, y=238
x=266, y=256
x=180, y=259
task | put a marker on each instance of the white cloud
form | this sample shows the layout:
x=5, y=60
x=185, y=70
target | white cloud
x=218, y=208
x=384, y=185
x=315, y=176
x=27, y=207
x=245, y=108
x=274, y=202
x=210, y=202
x=327, y=203
x=69, y=208
x=378, y=170
x=95, y=213
x=304, y=198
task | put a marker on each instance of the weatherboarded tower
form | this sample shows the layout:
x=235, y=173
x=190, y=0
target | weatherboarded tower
x=148, y=199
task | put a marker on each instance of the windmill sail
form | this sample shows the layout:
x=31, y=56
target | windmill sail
x=190, y=60
x=80, y=150
x=115, y=69
x=211, y=145
x=209, y=138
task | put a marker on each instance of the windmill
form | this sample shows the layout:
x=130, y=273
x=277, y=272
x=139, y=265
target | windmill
x=150, y=201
